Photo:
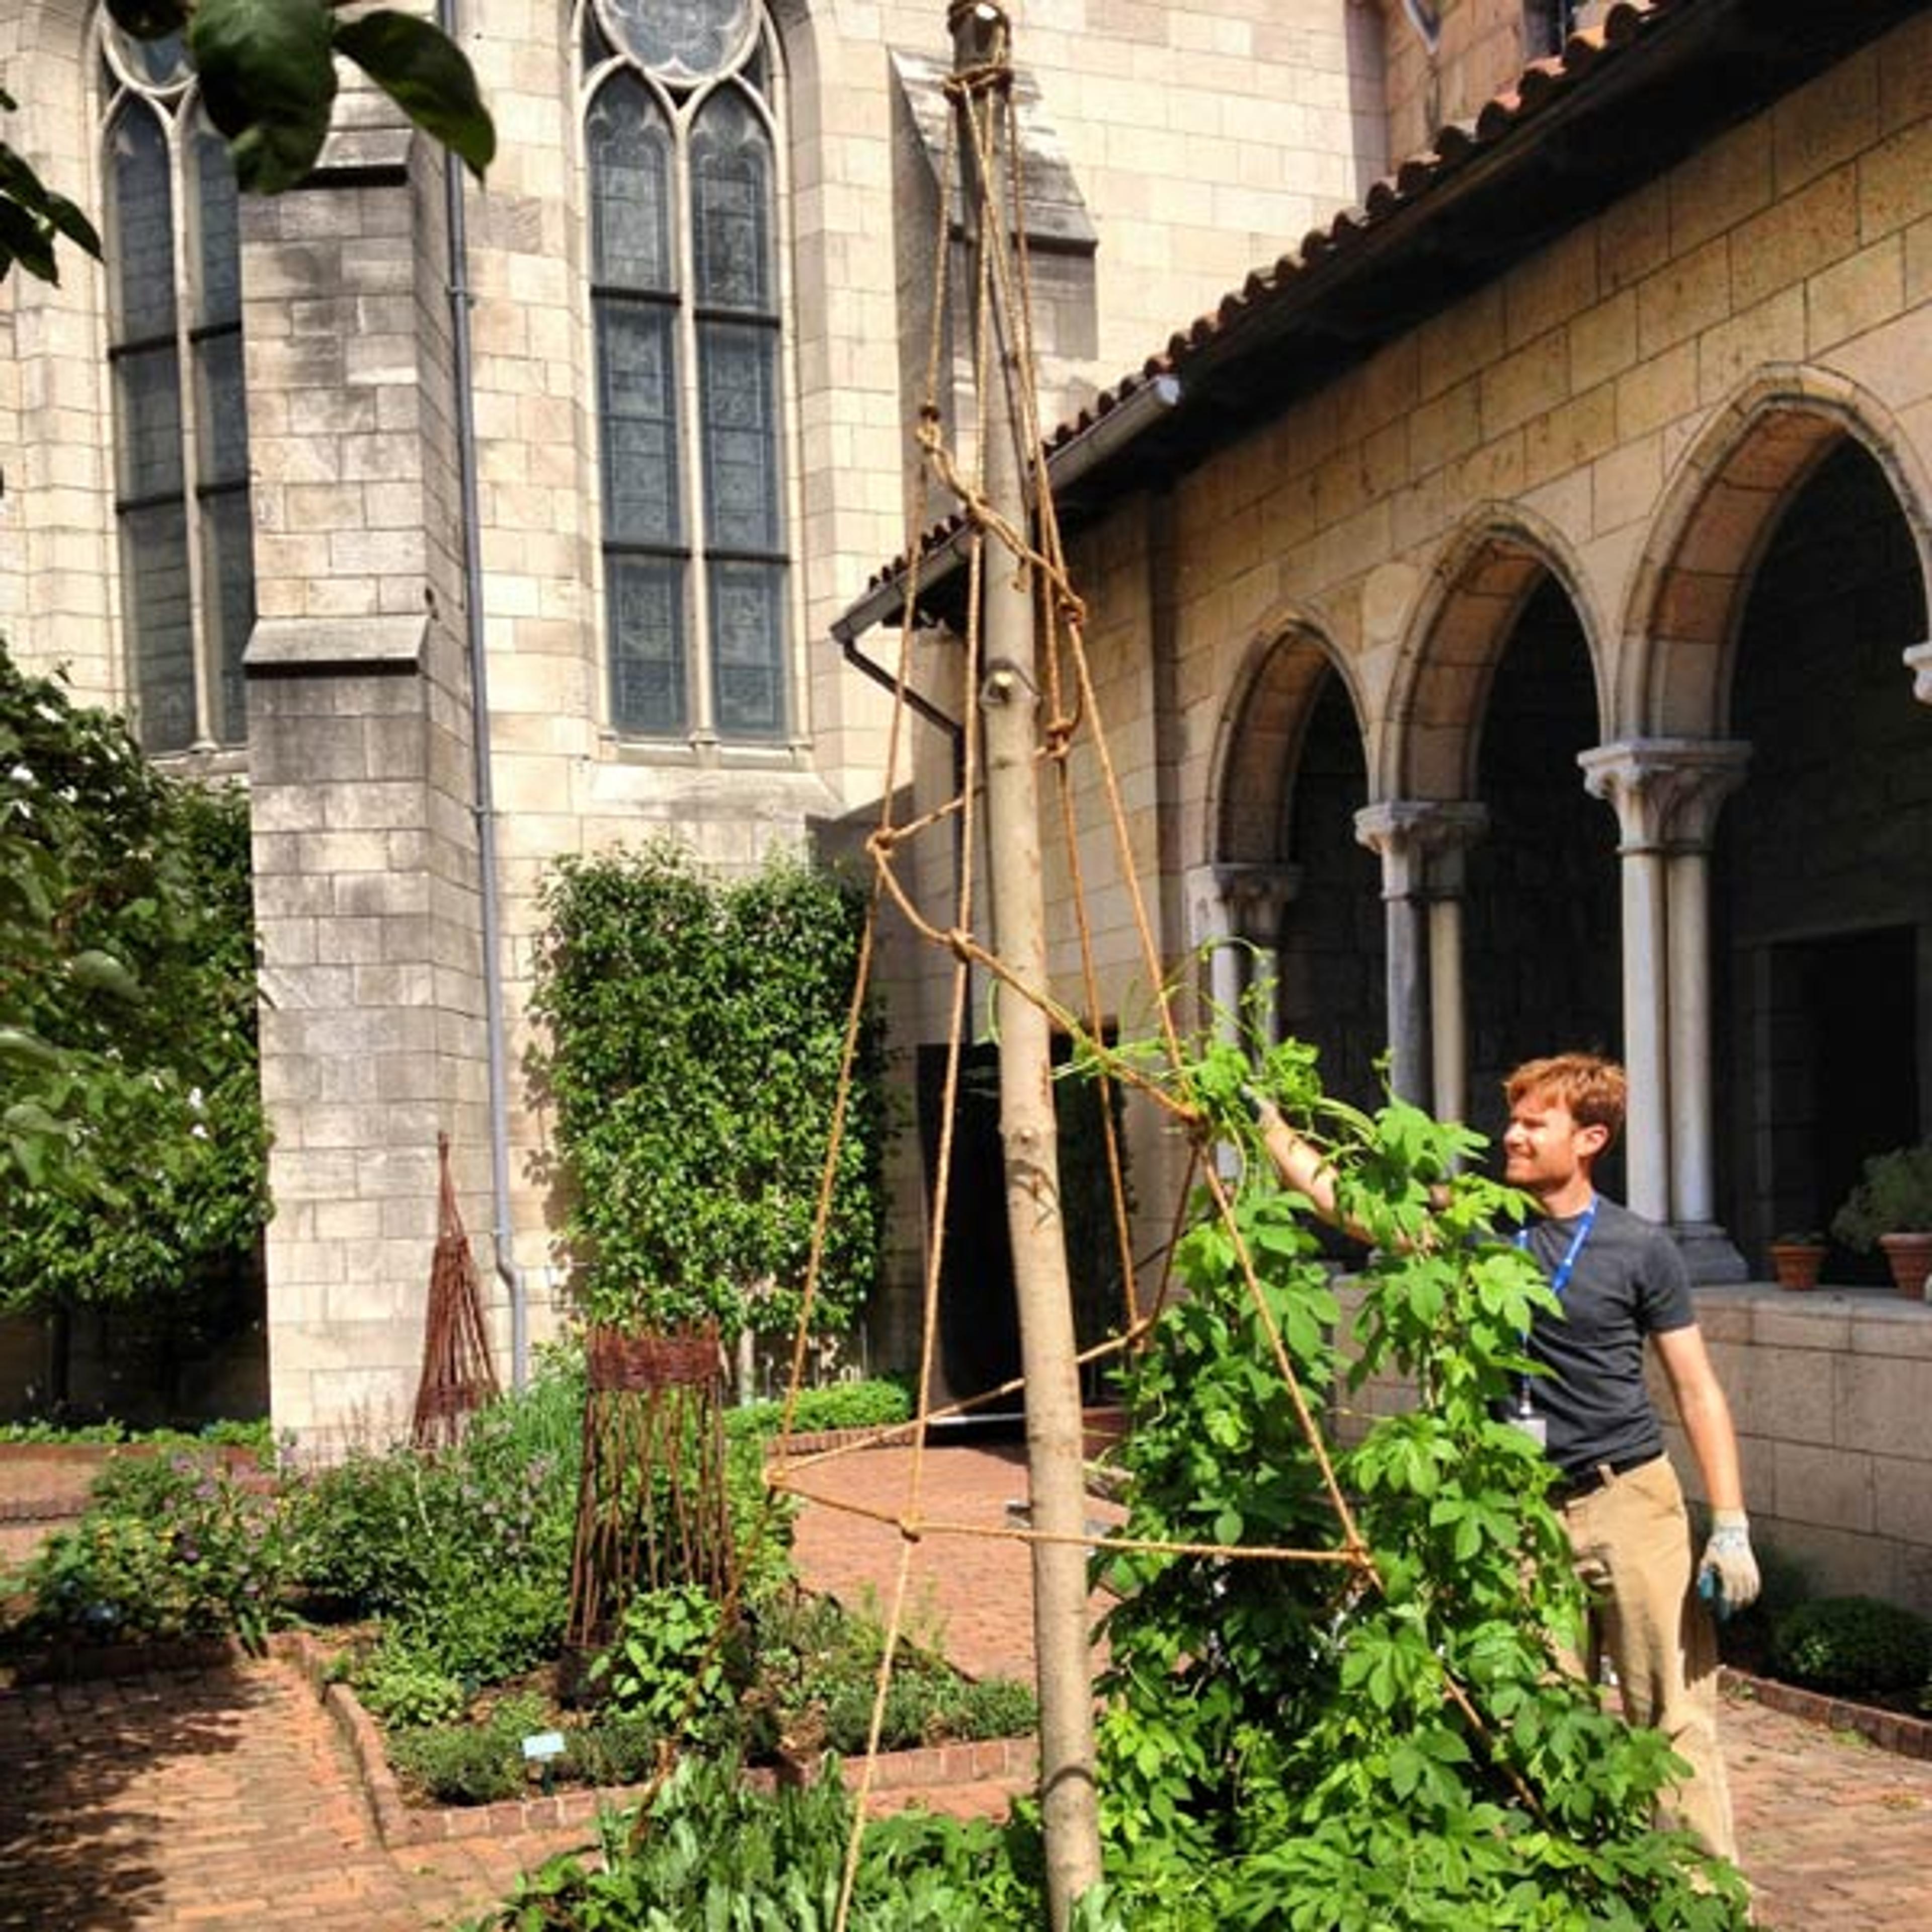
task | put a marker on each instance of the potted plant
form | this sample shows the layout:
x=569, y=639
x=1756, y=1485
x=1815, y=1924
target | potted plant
x=1891, y=1208
x=1797, y=1259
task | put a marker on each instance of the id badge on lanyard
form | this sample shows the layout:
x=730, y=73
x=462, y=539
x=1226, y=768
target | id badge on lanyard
x=1524, y=1414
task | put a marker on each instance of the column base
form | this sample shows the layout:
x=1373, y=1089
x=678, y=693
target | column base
x=1709, y=1253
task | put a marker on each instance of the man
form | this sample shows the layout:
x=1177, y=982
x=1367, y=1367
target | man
x=1620, y=1281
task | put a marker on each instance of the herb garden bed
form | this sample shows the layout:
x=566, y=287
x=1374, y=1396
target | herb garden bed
x=897, y=1776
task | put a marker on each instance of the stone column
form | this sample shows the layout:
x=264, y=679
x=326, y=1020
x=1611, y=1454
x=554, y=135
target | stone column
x=1421, y=843
x=1234, y=912
x=1256, y=898
x=1211, y=930
x=1667, y=793
x=360, y=776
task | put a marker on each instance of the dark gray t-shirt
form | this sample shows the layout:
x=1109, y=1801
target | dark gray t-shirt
x=1629, y=1283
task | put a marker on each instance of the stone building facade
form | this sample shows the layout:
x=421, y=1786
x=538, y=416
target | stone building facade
x=473, y=530
x=1513, y=627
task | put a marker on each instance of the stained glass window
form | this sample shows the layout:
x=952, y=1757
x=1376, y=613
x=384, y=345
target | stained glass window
x=682, y=39
x=679, y=138
x=187, y=551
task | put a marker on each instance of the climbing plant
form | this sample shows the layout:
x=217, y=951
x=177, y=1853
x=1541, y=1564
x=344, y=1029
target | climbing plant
x=697, y=1035
x=1384, y=1741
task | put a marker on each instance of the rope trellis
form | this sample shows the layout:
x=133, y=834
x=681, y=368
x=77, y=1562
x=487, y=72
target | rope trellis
x=1071, y=726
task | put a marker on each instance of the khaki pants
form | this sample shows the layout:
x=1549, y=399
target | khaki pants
x=1632, y=1540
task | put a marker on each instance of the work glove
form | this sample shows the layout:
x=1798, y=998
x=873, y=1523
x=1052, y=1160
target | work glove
x=1727, y=1577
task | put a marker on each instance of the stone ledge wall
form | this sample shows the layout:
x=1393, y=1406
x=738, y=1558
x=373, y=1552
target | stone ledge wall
x=1832, y=1392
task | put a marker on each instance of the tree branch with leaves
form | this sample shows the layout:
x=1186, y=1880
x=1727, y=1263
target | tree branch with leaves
x=268, y=74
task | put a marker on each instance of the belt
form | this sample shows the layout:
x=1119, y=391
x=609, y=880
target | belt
x=1573, y=1488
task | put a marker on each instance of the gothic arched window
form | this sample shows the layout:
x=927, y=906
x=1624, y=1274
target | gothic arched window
x=180, y=424
x=682, y=145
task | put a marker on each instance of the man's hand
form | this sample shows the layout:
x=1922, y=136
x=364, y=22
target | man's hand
x=1728, y=1575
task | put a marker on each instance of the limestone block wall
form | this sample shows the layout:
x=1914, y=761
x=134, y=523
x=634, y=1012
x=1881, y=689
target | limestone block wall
x=1828, y=1392
x=1579, y=405
x=57, y=556
x=1638, y=393
x=367, y=886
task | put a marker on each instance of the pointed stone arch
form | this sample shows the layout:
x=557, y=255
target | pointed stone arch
x=1488, y=571
x=1261, y=734
x=1718, y=512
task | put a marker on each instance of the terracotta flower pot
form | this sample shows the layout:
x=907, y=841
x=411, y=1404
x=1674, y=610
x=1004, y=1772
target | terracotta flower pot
x=1797, y=1264
x=1911, y=1258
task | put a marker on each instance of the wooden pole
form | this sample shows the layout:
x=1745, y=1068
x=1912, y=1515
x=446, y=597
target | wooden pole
x=1009, y=705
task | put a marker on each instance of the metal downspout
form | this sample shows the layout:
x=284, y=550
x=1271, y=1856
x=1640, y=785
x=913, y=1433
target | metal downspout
x=483, y=803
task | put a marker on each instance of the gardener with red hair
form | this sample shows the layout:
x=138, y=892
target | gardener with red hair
x=1620, y=1282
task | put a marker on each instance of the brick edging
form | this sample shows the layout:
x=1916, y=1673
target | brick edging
x=1894, y=1731
x=398, y=1822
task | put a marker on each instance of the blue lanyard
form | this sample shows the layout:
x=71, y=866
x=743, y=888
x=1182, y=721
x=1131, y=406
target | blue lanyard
x=1559, y=1279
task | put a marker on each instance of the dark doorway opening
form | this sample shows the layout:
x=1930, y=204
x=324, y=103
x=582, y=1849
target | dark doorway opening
x=977, y=1346
x=1860, y=1020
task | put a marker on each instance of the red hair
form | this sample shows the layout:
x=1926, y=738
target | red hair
x=1592, y=1088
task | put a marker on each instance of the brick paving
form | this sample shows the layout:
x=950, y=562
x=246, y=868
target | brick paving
x=225, y=1799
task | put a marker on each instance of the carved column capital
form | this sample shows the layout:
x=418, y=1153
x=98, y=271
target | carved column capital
x=1423, y=843
x=1255, y=896
x=1666, y=792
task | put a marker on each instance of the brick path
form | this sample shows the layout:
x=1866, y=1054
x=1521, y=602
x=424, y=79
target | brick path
x=223, y=1798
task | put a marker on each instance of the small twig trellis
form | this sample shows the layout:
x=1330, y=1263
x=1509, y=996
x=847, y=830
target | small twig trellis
x=458, y=1376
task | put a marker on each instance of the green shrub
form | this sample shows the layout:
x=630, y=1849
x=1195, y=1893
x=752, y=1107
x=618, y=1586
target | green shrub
x=1854, y=1643
x=614, y=1751
x=500, y=1626
x=926, y=1705
x=258, y=1435
x=472, y=1544
x=168, y=1547
x=403, y=1687
x=1894, y=1195
x=697, y=1031
x=874, y=1404
x=668, y=1663
x=994, y=1707
x=718, y=1854
x=471, y=1764
x=457, y=1764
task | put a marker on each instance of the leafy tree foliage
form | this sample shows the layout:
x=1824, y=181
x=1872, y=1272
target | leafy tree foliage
x=268, y=81
x=1303, y=1744
x=133, y=1154
x=698, y=1034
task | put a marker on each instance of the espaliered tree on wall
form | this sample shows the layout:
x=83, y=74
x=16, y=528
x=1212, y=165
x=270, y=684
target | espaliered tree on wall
x=697, y=1032
x=133, y=1153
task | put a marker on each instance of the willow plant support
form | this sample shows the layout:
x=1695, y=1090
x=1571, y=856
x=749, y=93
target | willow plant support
x=457, y=1378
x=652, y=1510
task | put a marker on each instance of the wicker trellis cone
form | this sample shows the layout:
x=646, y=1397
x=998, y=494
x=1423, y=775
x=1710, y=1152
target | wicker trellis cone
x=458, y=1376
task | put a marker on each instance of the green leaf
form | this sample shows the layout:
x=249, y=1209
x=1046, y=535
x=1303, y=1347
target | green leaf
x=267, y=80
x=428, y=77
x=24, y=1049
x=100, y=972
